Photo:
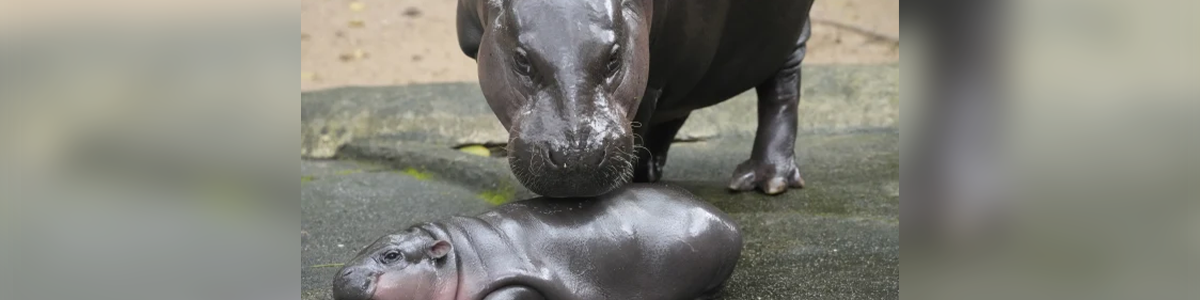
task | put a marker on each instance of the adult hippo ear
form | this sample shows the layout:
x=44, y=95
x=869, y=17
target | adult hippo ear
x=438, y=249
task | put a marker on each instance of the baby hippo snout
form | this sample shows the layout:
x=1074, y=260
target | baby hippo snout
x=353, y=283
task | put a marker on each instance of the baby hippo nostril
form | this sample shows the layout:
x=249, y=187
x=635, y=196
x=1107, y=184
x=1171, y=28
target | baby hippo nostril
x=347, y=272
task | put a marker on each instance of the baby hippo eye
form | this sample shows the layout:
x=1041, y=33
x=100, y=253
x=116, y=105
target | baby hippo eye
x=390, y=256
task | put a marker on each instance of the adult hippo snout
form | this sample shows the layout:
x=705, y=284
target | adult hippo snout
x=554, y=159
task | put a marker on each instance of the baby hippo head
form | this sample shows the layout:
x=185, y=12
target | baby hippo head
x=407, y=265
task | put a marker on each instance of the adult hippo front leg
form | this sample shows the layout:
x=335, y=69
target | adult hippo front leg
x=656, y=142
x=772, y=164
x=653, y=140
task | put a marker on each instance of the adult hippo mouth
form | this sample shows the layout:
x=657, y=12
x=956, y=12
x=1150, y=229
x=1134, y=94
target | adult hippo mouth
x=571, y=163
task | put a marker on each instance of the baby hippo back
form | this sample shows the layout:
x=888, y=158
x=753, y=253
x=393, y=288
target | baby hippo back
x=644, y=241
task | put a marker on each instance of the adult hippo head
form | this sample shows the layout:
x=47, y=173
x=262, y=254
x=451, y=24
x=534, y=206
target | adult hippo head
x=564, y=78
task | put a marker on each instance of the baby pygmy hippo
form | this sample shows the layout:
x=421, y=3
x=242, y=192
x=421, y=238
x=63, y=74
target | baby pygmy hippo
x=644, y=241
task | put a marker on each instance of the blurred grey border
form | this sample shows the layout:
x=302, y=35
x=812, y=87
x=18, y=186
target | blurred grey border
x=1055, y=150
x=145, y=159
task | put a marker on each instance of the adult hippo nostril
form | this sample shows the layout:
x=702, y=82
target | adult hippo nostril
x=557, y=158
x=598, y=159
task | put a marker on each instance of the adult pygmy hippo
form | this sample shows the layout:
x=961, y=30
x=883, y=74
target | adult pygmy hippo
x=639, y=242
x=574, y=82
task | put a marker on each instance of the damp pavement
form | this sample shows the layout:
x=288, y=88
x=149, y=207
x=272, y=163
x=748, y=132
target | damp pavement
x=377, y=159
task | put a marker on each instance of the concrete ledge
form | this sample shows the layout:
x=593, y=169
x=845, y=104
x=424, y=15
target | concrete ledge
x=834, y=99
x=482, y=174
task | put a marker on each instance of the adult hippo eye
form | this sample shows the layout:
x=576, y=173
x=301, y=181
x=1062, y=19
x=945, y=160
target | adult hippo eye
x=614, y=62
x=521, y=63
x=390, y=256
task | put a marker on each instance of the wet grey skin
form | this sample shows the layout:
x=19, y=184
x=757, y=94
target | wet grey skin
x=642, y=241
x=592, y=92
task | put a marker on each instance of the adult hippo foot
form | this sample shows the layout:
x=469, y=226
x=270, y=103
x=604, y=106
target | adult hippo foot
x=771, y=177
x=772, y=164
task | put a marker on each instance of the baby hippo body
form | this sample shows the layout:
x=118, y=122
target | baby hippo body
x=643, y=241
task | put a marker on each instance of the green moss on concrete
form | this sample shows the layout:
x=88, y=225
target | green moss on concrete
x=418, y=174
x=479, y=150
x=497, y=197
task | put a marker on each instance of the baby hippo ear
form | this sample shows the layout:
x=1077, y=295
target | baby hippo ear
x=439, y=249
